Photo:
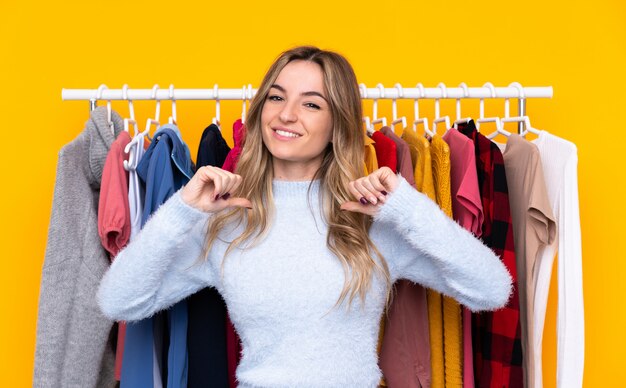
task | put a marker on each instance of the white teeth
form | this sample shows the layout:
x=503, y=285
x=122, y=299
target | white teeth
x=286, y=134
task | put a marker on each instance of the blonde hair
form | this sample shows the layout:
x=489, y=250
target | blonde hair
x=348, y=236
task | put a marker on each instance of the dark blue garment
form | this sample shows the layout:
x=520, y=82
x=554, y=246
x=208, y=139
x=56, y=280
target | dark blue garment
x=206, y=330
x=165, y=167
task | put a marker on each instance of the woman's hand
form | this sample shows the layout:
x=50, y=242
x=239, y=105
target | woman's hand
x=209, y=190
x=370, y=191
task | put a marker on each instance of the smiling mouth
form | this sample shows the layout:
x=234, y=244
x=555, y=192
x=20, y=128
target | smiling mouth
x=286, y=133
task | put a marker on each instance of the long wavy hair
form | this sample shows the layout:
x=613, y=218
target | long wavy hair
x=348, y=236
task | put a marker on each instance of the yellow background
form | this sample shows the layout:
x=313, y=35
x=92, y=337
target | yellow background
x=578, y=47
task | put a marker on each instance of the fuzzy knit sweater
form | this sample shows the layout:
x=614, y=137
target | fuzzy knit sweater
x=281, y=293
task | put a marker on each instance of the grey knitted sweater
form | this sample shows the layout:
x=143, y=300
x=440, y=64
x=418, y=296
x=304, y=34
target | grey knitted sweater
x=281, y=292
x=72, y=348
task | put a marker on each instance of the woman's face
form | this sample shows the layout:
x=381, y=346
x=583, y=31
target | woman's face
x=296, y=121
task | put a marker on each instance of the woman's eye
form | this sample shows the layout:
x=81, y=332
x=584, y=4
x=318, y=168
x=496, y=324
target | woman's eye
x=274, y=98
x=312, y=105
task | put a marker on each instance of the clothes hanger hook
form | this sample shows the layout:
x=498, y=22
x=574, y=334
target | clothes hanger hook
x=99, y=91
x=489, y=86
x=130, y=109
x=381, y=90
x=363, y=90
x=416, y=109
x=157, y=112
x=400, y=90
x=463, y=85
x=394, y=106
x=444, y=94
x=417, y=114
x=458, y=100
x=216, y=95
x=130, y=102
x=520, y=89
x=381, y=94
x=243, y=104
x=444, y=89
x=520, y=95
x=101, y=88
x=421, y=88
x=173, y=99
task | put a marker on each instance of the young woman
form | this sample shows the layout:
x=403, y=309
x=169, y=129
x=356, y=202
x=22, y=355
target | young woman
x=300, y=244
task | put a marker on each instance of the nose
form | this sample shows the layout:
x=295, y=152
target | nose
x=288, y=113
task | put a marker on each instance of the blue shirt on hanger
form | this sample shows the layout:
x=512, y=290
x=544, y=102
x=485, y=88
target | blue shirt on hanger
x=164, y=169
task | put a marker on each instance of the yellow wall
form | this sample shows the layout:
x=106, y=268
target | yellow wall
x=579, y=47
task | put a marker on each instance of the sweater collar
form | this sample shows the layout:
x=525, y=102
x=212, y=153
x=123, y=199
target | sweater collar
x=100, y=139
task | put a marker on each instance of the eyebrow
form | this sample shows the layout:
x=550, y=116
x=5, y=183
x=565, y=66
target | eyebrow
x=311, y=93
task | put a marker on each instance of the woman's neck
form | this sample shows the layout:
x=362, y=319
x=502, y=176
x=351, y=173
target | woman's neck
x=295, y=171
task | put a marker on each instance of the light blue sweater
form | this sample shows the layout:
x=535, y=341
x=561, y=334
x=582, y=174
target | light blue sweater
x=281, y=292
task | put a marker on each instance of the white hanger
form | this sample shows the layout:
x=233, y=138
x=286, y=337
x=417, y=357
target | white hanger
x=496, y=120
x=460, y=120
x=216, y=95
x=444, y=119
x=369, y=128
x=244, y=98
x=249, y=95
x=243, y=104
x=157, y=114
x=130, y=120
x=499, y=128
x=394, y=110
x=172, y=118
x=521, y=119
x=499, y=125
x=416, y=114
x=131, y=147
x=376, y=119
x=99, y=97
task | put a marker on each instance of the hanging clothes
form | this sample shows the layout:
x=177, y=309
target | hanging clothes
x=213, y=149
x=496, y=335
x=559, y=159
x=403, y=159
x=206, y=335
x=420, y=156
x=405, y=351
x=408, y=313
x=466, y=204
x=386, y=154
x=385, y=150
x=468, y=212
x=233, y=342
x=534, y=228
x=442, y=364
x=444, y=313
x=239, y=132
x=114, y=221
x=136, y=195
x=73, y=345
x=370, y=164
x=165, y=168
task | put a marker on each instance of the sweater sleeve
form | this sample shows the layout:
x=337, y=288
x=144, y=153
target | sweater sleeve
x=161, y=266
x=571, y=314
x=420, y=243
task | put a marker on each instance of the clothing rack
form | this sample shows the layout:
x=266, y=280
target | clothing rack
x=398, y=92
